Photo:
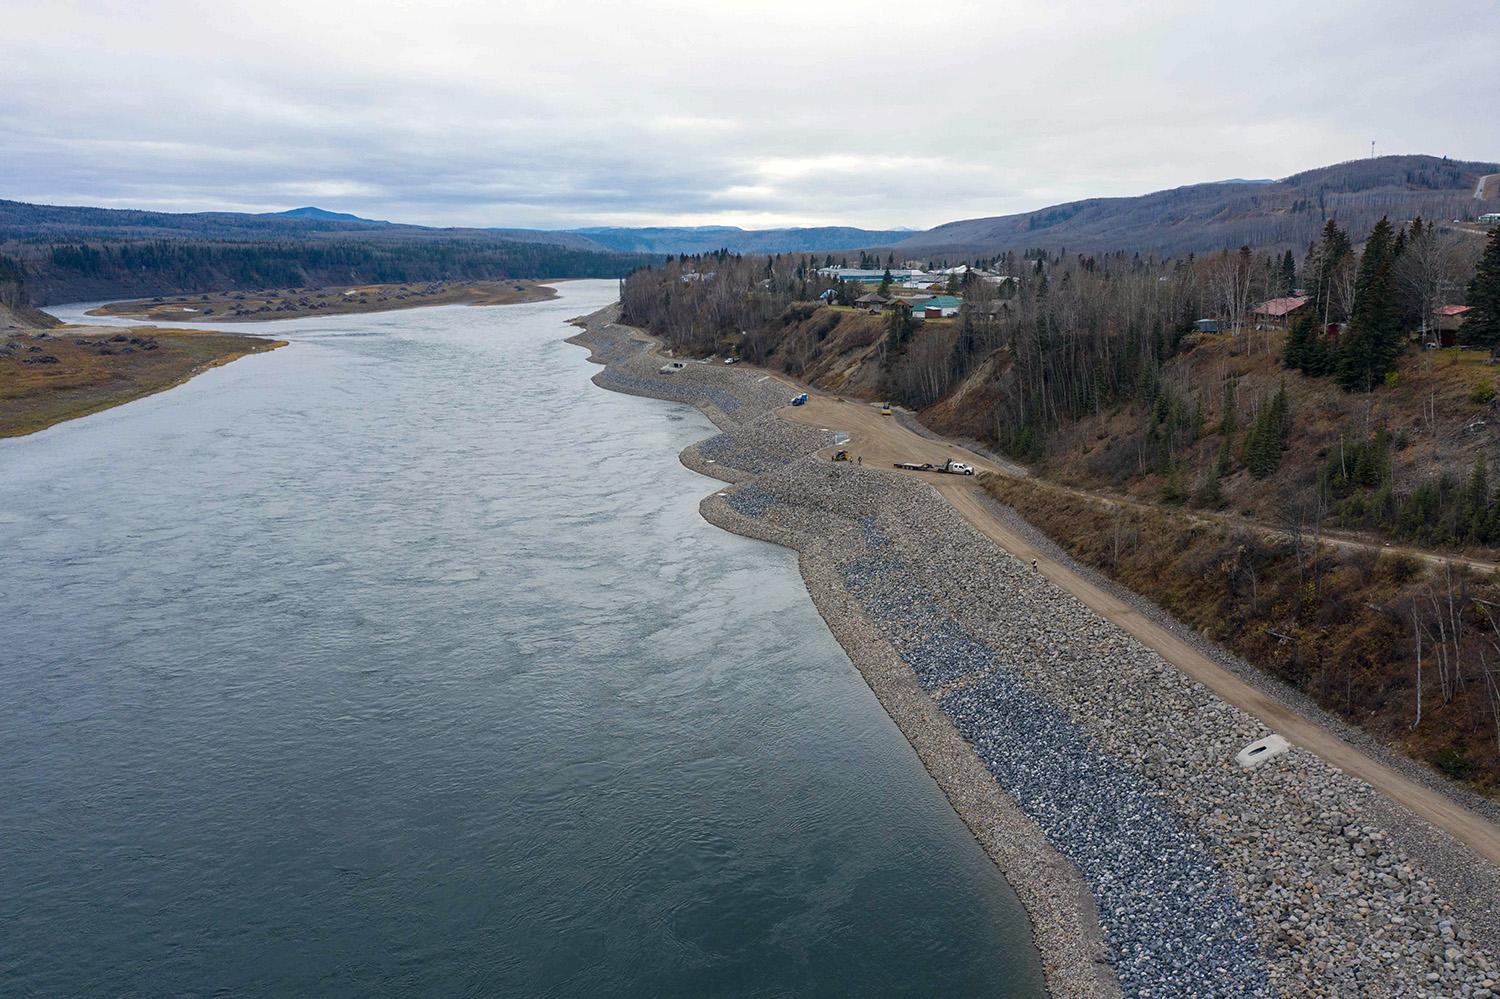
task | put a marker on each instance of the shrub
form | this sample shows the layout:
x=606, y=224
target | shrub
x=1482, y=392
x=1453, y=763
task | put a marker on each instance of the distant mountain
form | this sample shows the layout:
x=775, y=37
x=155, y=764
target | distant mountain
x=1209, y=217
x=22, y=221
x=72, y=254
x=323, y=214
x=706, y=239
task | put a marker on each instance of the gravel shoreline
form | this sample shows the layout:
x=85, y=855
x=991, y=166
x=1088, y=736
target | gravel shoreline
x=1098, y=777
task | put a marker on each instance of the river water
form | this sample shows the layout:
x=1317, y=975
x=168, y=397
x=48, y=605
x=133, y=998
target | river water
x=398, y=661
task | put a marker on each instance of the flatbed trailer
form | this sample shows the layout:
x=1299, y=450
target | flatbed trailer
x=949, y=467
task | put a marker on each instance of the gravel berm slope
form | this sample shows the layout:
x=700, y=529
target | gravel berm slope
x=1099, y=777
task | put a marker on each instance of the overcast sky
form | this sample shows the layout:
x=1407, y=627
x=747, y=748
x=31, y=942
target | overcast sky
x=551, y=114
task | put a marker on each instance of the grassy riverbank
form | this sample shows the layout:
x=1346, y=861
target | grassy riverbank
x=293, y=303
x=47, y=377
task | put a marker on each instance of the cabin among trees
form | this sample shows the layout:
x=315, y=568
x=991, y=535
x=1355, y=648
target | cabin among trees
x=1277, y=313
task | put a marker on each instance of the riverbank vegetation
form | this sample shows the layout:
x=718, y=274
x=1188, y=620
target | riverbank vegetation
x=1310, y=395
x=291, y=303
x=1158, y=378
x=47, y=377
x=1398, y=646
x=67, y=270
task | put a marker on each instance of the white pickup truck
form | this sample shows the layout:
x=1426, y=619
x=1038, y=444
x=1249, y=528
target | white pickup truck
x=949, y=467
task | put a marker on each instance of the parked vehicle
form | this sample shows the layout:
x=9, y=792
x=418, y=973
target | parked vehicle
x=885, y=409
x=731, y=360
x=949, y=467
x=800, y=400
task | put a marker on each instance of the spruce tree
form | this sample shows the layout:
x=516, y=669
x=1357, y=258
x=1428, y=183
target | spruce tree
x=1474, y=506
x=1288, y=273
x=1482, y=321
x=1321, y=271
x=1298, y=340
x=1211, y=493
x=1371, y=344
x=1268, y=437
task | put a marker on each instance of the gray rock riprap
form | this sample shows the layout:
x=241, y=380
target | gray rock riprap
x=1087, y=761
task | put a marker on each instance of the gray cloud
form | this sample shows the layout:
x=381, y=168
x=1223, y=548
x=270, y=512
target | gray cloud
x=548, y=113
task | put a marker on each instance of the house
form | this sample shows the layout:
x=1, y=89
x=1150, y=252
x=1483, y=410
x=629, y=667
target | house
x=1447, y=319
x=935, y=306
x=1277, y=312
x=828, y=296
x=872, y=302
x=1490, y=218
x=989, y=310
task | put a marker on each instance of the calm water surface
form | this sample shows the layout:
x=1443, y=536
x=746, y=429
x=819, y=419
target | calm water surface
x=400, y=662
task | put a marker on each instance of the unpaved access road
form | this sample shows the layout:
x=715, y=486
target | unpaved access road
x=881, y=441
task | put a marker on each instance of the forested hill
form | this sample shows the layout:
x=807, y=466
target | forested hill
x=1285, y=214
x=21, y=221
x=67, y=254
x=707, y=239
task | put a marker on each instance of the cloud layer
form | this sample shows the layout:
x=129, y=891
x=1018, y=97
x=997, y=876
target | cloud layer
x=553, y=114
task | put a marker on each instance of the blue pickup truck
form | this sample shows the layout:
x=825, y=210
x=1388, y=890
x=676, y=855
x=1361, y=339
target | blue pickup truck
x=800, y=400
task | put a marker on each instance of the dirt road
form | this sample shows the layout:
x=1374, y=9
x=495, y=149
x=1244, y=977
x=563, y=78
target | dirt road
x=881, y=440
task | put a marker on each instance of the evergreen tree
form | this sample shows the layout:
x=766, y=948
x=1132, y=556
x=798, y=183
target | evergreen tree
x=1307, y=349
x=1288, y=273
x=885, y=282
x=1267, y=438
x=1372, y=342
x=899, y=325
x=1298, y=339
x=1482, y=321
x=1474, y=505
x=1211, y=493
x=1320, y=274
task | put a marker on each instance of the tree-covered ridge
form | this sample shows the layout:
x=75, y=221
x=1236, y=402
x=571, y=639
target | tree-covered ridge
x=1205, y=218
x=98, y=269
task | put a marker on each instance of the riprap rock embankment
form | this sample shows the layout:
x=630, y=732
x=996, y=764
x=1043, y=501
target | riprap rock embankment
x=1100, y=778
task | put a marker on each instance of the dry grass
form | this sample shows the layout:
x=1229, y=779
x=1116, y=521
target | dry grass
x=84, y=380
x=1429, y=410
x=1333, y=625
x=290, y=303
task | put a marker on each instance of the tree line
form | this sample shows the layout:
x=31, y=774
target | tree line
x=75, y=270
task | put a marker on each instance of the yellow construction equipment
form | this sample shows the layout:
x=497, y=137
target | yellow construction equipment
x=841, y=455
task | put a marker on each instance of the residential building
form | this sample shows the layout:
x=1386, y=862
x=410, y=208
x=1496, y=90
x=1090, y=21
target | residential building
x=1276, y=313
x=1448, y=319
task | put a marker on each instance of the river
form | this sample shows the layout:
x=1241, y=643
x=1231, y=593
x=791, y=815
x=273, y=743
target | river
x=398, y=661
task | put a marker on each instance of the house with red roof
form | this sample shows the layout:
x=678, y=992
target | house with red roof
x=1276, y=313
x=1447, y=319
